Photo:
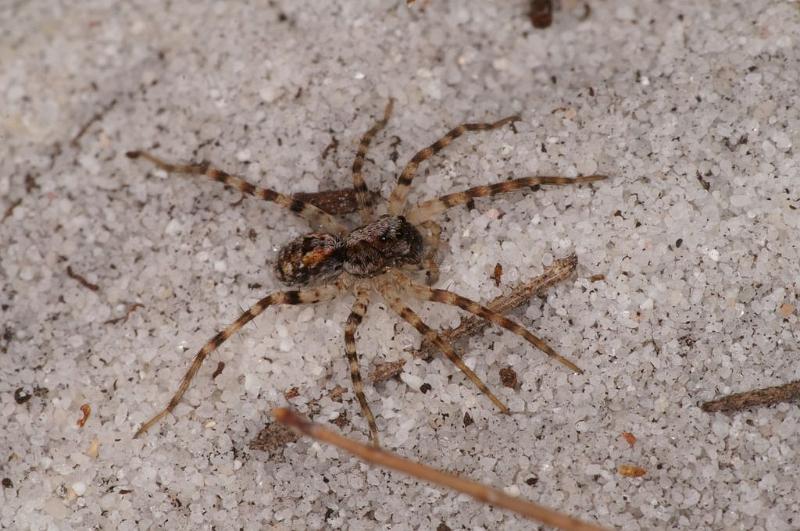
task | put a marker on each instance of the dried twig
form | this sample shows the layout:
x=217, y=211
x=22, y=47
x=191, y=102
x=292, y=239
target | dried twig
x=128, y=311
x=758, y=397
x=480, y=492
x=516, y=297
x=81, y=280
x=75, y=142
x=10, y=209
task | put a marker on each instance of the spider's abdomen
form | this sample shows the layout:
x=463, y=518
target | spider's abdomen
x=389, y=241
x=315, y=256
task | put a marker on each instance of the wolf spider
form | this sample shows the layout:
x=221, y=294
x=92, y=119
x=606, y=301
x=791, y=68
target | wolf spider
x=368, y=258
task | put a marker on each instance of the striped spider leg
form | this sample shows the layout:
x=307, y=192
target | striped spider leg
x=390, y=295
x=397, y=200
x=315, y=216
x=424, y=293
x=306, y=296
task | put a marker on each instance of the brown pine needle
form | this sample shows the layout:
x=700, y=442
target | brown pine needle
x=480, y=492
x=757, y=397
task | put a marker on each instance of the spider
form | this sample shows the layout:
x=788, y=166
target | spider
x=370, y=258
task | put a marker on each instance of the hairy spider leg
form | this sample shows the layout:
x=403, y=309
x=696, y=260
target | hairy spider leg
x=428, y=209
x=357, y=314
x=307, y=296
x=397, y=200
x=425, y=293
x=363, y=196
x=434, y=338
x=315, y=216
x=433, y=241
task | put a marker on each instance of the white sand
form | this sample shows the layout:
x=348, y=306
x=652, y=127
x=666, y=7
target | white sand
x=690, y=307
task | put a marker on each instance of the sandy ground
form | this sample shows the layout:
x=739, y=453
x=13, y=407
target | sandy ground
x=691, y=110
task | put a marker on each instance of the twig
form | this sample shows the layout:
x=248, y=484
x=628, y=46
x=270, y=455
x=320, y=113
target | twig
x=757, y=397
x=393, y=461
x=83, y=282
x=75, y=142
x=128, y=311
x=516, y=297
x=10, y=209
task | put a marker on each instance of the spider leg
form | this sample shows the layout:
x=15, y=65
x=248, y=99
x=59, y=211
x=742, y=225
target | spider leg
x=353, y=320
x=432, y=241
x=397, y=201
x=307, y=211
x=306, y=296
x=362, y=191
x=428, y=209
x=425, y=293
x=434, y=338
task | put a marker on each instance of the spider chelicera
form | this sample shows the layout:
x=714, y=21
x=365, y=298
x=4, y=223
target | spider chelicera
x=367, y=259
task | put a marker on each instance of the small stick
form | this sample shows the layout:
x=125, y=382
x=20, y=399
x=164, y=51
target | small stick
x=10, y=209
x=128, y=311
x=81, y=280
x=516, y=297
x=75, y=142
x=758, y=397
x=480, y=492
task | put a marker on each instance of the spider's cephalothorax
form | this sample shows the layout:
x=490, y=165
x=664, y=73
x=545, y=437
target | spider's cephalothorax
x=368, y=251
x=388, y=242
x=369, y=259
